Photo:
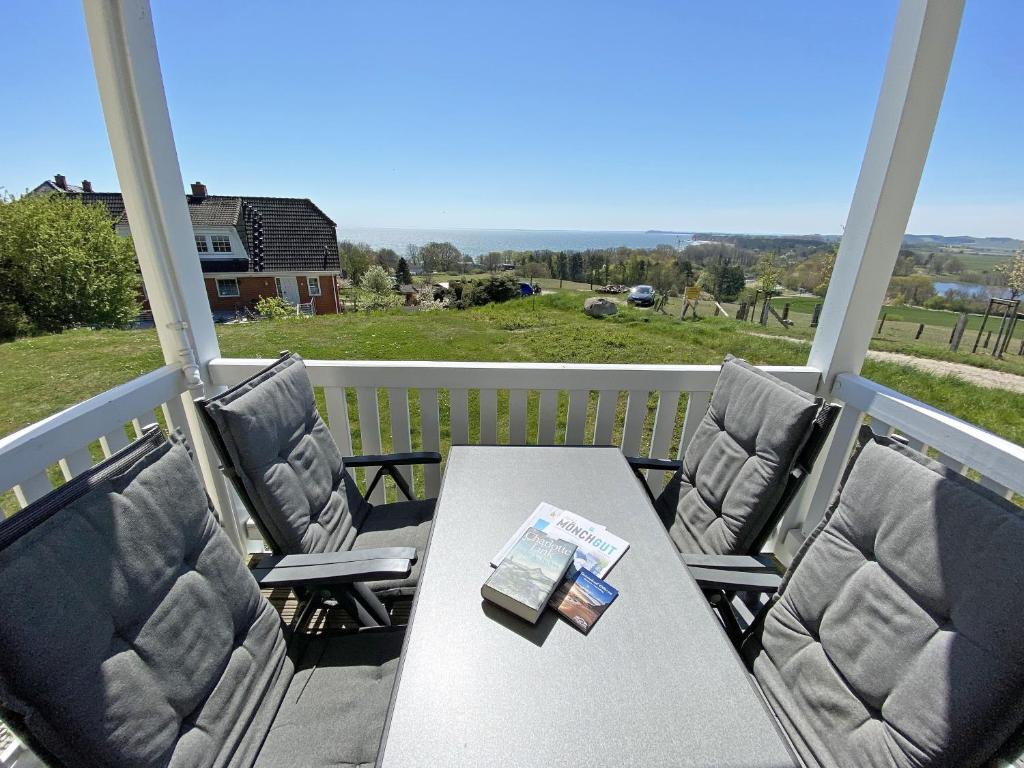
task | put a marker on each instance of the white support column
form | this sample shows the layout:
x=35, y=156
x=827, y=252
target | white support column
x=915, y=79
x=139, y=126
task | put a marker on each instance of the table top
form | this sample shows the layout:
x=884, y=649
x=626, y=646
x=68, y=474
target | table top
x=654, y=683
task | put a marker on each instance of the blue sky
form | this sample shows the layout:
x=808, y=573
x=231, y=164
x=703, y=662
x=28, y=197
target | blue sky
x=732, y=116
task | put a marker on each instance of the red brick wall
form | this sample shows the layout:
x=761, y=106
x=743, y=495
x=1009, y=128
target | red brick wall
x=325, y=301
x=250, y=289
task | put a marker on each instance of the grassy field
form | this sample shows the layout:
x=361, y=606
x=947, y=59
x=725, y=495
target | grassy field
x=45, y=374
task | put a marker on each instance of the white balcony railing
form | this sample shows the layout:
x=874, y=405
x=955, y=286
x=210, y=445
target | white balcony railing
x=637, y=407
x=996, y=463
x=372, y=407
x=69, y=442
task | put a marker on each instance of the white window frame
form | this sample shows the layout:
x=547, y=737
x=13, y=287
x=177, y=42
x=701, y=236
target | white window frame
x=310, y=282
x=220, y=239
x=202, y=246
x=232, y=280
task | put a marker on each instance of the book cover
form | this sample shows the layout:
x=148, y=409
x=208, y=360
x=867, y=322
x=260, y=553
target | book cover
x=582, y=598
x=527, y=576
x=543, y=516
x=597, y=549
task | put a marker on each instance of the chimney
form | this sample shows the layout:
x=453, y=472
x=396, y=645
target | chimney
x=198, y=189
x=60, y=181
x=87, y=186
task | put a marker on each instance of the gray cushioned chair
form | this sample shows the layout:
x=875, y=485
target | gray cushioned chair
x=133, y=635
x=894, y=638
x=745, y=462
x=286, y=467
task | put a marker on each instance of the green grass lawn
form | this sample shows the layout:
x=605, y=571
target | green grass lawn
x=45, y=374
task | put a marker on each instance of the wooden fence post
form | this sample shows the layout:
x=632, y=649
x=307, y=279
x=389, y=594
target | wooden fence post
x=958, y=332
x=816, y=315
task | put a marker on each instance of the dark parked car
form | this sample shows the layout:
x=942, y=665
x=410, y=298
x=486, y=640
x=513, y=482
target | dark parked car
x=641, y=296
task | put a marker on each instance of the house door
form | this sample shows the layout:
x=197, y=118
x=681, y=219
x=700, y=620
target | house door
x=288, y=289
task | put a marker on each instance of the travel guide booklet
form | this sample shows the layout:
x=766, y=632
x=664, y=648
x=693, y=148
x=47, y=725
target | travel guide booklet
x=524, y=580
x=596, y=548
x=582, y=598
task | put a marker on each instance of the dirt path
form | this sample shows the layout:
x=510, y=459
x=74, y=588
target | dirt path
x=983, y=377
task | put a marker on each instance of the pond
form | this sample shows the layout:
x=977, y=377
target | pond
x=981, y=291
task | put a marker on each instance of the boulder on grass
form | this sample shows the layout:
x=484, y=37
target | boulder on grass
x=598, y=307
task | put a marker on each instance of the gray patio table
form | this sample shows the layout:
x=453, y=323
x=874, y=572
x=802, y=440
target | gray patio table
x=655, y=683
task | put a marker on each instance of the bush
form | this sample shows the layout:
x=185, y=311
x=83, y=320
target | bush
x=377, y=280
x=493, y=289
x=13, y=322
x=498, y=288
x=373, y=301
x=274, y=308
x=62, y=264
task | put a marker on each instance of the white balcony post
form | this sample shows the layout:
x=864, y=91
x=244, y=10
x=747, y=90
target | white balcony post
x=923, y=41
x=139, y=126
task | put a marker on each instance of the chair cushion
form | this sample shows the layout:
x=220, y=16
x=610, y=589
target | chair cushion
x=896, y=637
x=132, y=634
x=402, y=524
x=736, y=466
x=333, y=713
x=287, y=460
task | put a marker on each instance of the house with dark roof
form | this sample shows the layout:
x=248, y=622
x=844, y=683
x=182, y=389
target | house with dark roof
x=248, y=246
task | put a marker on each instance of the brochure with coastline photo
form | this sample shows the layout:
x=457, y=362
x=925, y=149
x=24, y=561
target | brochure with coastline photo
x=582, y=598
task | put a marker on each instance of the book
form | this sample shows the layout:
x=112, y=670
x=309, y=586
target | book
x=596, y=548
x=582, y=598
x=527, y=576
x=540, y=518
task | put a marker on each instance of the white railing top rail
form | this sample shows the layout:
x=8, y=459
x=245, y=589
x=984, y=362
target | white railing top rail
x=990, y=455
x=28, y=451
x=537, y=376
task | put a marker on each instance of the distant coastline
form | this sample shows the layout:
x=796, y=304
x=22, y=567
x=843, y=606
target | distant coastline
x=475, y=242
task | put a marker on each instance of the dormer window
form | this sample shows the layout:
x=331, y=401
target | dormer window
x=219, y=244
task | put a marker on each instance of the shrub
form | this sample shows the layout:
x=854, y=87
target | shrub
x=13, y=322
x=274, y=308
x=498, y=288
x=63, y=264
x=377, y=280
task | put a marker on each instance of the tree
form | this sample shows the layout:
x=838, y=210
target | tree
x=412, y=255
x=387, y=258
x=380, y=287
x=440, y=257
x=904, y=264
x=722, y=280
x=355, y=258
x=62, y=264
x=402, y=273
x=491, y=261
x=1013, y=273
x=827, y=265
x=768, y=273
x=953, y=266
x=535, y=269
